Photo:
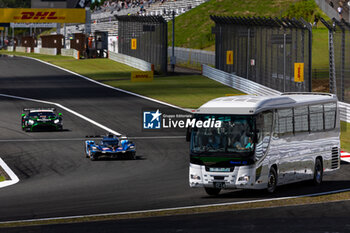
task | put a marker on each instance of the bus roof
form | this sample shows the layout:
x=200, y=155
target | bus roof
x=251, y=104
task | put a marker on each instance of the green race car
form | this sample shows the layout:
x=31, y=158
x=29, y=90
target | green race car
x=41, y=119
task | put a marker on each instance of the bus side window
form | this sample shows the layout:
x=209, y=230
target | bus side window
x=264, y=128
x=284, y=122
x=329, y=115
x=301, y=119
x=316, y=117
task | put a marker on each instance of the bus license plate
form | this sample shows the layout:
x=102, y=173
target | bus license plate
x=219, y=169
x=219, y=185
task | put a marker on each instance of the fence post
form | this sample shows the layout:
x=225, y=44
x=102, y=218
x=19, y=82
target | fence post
x=284, y=61
x=332, y=78
x=248, y=47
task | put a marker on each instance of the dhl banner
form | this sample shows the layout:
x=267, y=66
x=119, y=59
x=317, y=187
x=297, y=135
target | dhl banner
x=50, y=15
x=298, y=72
x=142, y=76
x=134, y=44
x=229, y=57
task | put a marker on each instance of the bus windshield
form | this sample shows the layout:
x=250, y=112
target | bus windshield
x=234, y=138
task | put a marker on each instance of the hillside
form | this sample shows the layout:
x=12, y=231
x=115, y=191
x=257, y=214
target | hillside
x=193, y=29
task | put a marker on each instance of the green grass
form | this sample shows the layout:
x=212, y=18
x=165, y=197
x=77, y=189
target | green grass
x=188, y=91
x=2, y=178
x=320, y=57
x=193, y=29
x=345, y=136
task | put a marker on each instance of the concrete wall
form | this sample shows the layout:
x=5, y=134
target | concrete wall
x=47, y=51
x=70, y=53
x=21, y=49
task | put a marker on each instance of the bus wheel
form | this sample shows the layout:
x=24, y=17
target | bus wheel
x=318, y=172
x=212, y=191
x=272, y=180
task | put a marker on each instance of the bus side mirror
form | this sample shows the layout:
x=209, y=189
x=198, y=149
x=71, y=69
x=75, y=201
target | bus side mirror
x=188, y=134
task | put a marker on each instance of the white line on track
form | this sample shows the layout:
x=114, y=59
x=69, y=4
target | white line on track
x=75, y=217
x=10, y=173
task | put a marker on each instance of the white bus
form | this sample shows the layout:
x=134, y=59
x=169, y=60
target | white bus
x=265, y=141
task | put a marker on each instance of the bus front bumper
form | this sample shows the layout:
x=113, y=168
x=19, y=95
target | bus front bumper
x=242, y=177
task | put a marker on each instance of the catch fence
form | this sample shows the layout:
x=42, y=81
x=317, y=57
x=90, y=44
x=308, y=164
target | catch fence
x=273, y=52
x=144, y=37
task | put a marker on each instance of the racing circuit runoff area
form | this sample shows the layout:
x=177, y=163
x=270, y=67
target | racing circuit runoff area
x=56, y=180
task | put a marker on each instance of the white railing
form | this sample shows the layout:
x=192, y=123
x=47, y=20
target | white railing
x=130, y=61
x=253, y=88
x=10, y=48
x=344, y=111
x=193, y=56
x=239, y=83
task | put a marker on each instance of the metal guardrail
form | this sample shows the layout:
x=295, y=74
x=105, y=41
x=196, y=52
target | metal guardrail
x=130, y=61
x=237, y=82
x=253, y=88
x=344, y=111
x=193, y=56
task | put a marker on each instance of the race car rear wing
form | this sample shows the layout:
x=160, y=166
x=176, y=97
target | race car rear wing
x=33, y=109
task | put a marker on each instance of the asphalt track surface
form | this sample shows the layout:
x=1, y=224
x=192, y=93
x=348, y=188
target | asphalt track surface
x=56, y=179
x=327, y=218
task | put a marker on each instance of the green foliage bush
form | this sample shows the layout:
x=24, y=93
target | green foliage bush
x=307, y=9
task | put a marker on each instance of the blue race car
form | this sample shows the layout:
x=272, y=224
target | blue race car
x=111, y=146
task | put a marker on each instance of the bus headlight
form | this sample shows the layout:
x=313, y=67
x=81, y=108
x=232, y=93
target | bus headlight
x=30, y=122
x=56, y=121
x=195, y=177
x=244, y=178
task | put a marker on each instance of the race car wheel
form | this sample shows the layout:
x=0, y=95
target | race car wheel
x=92, y=157
x=132, y=155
